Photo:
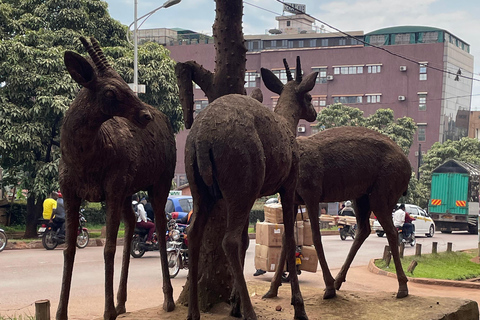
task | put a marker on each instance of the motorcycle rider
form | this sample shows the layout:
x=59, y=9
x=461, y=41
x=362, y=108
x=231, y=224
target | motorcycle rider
x=401, y=219
x=50, y=210
x=60, y=215
x=348, y=210
x=142, y=221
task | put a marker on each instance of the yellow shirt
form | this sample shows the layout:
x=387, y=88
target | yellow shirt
x=48, y=206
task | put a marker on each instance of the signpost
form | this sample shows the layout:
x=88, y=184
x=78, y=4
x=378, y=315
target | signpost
x=294, y=8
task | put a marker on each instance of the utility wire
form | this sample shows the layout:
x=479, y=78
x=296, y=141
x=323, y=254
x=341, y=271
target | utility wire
x=375, y=46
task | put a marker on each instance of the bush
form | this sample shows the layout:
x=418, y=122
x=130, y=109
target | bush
x=256, y=215
x=95, y=215
x=17, y=213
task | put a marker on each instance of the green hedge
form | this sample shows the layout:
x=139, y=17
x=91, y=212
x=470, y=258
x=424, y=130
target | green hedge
x=256, y=215
x=18, y=214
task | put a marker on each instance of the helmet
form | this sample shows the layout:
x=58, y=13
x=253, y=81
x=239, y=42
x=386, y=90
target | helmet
x=59, y=194
x=348, y=203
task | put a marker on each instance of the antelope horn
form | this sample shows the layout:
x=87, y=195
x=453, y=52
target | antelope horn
x=287, y=70
x=93, y=54
x=298, y=76
x=100, y=54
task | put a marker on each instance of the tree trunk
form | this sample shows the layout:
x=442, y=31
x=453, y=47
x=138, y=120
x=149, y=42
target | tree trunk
x=215, y=281
x=34, y=212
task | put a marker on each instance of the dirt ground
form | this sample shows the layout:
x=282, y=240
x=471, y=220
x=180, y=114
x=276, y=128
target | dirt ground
x=348, y=305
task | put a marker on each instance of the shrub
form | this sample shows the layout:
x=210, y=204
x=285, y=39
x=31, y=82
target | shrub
x=256, y=215
x=17, y=213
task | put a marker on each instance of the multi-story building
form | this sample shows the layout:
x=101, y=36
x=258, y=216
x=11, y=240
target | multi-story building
x=415, y=71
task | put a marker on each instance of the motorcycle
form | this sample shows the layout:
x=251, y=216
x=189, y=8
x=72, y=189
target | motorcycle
x=177, y=247
x=346, y=230
x=139, y=245
x=406, y=240
x=3, y=240
x=298, y=263
x=49, y=232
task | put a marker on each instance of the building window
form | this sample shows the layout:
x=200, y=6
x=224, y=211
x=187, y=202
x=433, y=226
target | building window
x=284, y=43
x=342, y=41
x=348, y=70
x=200, y=105
x=324, y=42
x=423, y=72
x=422, y=101
x=322, y=74
x=374, y=69
x=313, y=43
x=250, y=79
x=288, y=23
x=282, y=75
x=347, y=99
x=402, y=38
x=319, y=102
x=422, y=132
x=300, y=43
x=378, y=40
x=373, y=98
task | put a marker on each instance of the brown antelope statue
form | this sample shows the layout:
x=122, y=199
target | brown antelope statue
x=352, y=163
x=112, y=145
x=238, y=150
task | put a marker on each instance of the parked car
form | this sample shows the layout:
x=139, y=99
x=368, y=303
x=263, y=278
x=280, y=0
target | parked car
x=423, y=223
x=179, y=206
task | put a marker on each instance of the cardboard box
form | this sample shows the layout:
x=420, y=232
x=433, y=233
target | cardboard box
x=307, y=233
x=266, y=258
x=274, y=213
x=269, y=234
x=310, y=259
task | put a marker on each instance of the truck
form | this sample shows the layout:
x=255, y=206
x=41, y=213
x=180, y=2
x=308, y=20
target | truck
x=454, y=200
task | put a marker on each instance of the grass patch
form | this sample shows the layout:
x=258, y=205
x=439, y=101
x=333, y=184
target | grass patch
x=15, y=317
x=444, y=265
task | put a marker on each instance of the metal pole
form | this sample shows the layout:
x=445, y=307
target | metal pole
x=419, y=160
x=135, y=52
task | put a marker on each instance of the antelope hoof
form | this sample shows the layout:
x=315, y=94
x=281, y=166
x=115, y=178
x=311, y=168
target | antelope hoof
x=193, y=317
x=338, y=284
x=402, y=293
x=109, y=316
x=329, y=294
x=168, y=306
x=301, y=315
x=235, y=311
x=121, y=309
x=270, y=294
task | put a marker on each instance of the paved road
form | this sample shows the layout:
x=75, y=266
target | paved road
x=30, y=275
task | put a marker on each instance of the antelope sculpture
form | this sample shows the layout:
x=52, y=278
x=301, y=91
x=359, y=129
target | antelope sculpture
x=112, y=146
x=238, y=150
x=351, y=163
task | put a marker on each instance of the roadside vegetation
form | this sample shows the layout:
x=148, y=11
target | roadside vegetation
x=444, y=265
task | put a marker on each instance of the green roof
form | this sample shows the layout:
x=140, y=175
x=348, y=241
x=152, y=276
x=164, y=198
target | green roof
x=404, y=29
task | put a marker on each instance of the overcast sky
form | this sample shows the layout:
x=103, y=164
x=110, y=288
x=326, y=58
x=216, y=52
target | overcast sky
x=459, y=17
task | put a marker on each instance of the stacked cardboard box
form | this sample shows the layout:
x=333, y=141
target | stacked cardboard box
x=269, y=242
x=269, y=245
x=274, y=213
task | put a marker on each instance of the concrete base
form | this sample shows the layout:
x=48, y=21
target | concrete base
x=348, y=305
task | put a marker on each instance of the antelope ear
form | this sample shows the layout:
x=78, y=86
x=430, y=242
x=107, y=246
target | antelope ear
x=307, y=83
x=79, y=68
x=271, y=81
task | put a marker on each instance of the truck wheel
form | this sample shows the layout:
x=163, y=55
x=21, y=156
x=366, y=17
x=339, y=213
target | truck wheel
x=380, y=234
x=472, y=229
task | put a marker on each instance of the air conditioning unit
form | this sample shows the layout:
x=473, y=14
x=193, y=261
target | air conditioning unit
x=329, y=77
x=403, y=68
x=301, y=129
x=401, y=98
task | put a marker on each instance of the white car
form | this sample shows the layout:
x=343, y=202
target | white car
x=423, y=223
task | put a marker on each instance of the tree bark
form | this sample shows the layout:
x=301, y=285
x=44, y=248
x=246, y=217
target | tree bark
x=215, y=280
x=34, y=211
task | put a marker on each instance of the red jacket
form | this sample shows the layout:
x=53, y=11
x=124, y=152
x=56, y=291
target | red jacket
x=408, y=218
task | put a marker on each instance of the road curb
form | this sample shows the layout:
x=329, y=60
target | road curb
x=451, y=283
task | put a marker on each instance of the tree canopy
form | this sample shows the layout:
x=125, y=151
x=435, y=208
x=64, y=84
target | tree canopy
x=36, y=89
x=401, y=131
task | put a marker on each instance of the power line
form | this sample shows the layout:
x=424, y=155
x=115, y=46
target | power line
x=375, y=46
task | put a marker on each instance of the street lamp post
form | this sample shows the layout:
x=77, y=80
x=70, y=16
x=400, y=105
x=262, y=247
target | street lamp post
x=167, y=4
